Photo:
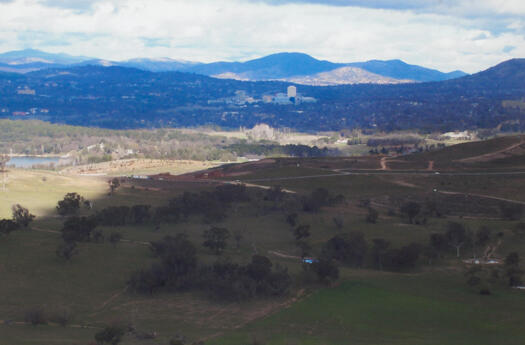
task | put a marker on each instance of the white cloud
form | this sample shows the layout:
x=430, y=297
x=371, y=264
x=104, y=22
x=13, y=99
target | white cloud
x=209, y=30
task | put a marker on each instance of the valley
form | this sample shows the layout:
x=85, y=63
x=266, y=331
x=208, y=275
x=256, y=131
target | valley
x=429, y=295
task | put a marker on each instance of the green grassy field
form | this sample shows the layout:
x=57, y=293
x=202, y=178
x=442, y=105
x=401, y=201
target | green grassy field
x=427, y=308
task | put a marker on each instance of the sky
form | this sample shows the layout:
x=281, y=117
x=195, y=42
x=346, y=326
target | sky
x=470, y=35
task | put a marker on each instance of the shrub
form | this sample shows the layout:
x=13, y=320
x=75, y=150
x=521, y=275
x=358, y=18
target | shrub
x=35, y=317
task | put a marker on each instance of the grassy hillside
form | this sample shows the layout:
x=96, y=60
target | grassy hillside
x=426, y=304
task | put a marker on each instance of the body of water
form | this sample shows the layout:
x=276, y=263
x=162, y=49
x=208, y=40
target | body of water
x=29, y=161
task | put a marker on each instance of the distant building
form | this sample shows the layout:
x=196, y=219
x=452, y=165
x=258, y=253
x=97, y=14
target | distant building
x=292, y=91
x=26, y=91
x=282, y=99
x=308, y=100
x=267, y=98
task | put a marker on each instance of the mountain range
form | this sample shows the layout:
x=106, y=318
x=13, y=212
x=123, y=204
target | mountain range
x=293, y=67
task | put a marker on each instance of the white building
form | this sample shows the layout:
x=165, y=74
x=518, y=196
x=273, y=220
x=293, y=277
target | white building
x=292, y=91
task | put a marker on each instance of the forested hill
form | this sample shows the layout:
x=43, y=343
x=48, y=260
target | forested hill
x=118, y=97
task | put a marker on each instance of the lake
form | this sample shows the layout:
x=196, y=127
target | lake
x=29, y=161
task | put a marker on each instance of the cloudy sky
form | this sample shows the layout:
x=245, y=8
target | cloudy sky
x=464, y=34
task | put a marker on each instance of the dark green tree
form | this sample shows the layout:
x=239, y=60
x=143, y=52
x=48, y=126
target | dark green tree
x=326, y=270
x=114, y=184
x=111, y=335
x=216, y=239
x=21, y=215
x=379, y=250
x=411, y=210
x=115, y=238
x=7, y=226
x=70, y=204
x=66, y=250
x=456, y=236
x=372, y=215
x=301, y=232
x=78, y=229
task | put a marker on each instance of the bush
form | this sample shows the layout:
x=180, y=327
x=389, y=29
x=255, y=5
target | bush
x=62, y=317
x=110, y=335
x=35, y=317
x=67, y=250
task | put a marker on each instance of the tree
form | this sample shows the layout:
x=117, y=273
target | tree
x=7, y=226
x=215, y=239
x=372, y=215
x=114, y=238
x=456, y=236
x=139, y=214
x=338, y=221
x=78, y=229
x=379, y=250
x=21, y=215
x=301, y=232
x=411, y=210
x=511, y=211
x=67, y=250
x=348, y=248
x=326, y=270
x=114, y=184
x=292, y=219
x=439, y=243
x=70, y=204
x=513, y=259
x=519, y=230
x=237, y=236
x=259, y=268
x=513, y=270
x=110, y=335
x=404, y=258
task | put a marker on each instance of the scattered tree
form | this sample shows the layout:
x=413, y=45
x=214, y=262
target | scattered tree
x=347, y=248
x=379, y=250
x=513, y=271
x=78, y=229
x=111, y=335
x=456, y=236
x=301, y=232
x=216, y=239
x=115, y=238
x=338, y=221
x=66, y=250
x=237, y=236
x=439, y=243
x=326, y=270
x=7, y=226
x=114, y=184
x=21, y=215
x=35, y=316
x=372, y=215
x=292, y=219
x=411, y=210
x=511, y=211
x=70, y=204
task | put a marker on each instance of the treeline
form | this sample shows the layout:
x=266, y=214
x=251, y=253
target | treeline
x=93, y=145
x=291, y=150
x=393, y=141
x=179, y=269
